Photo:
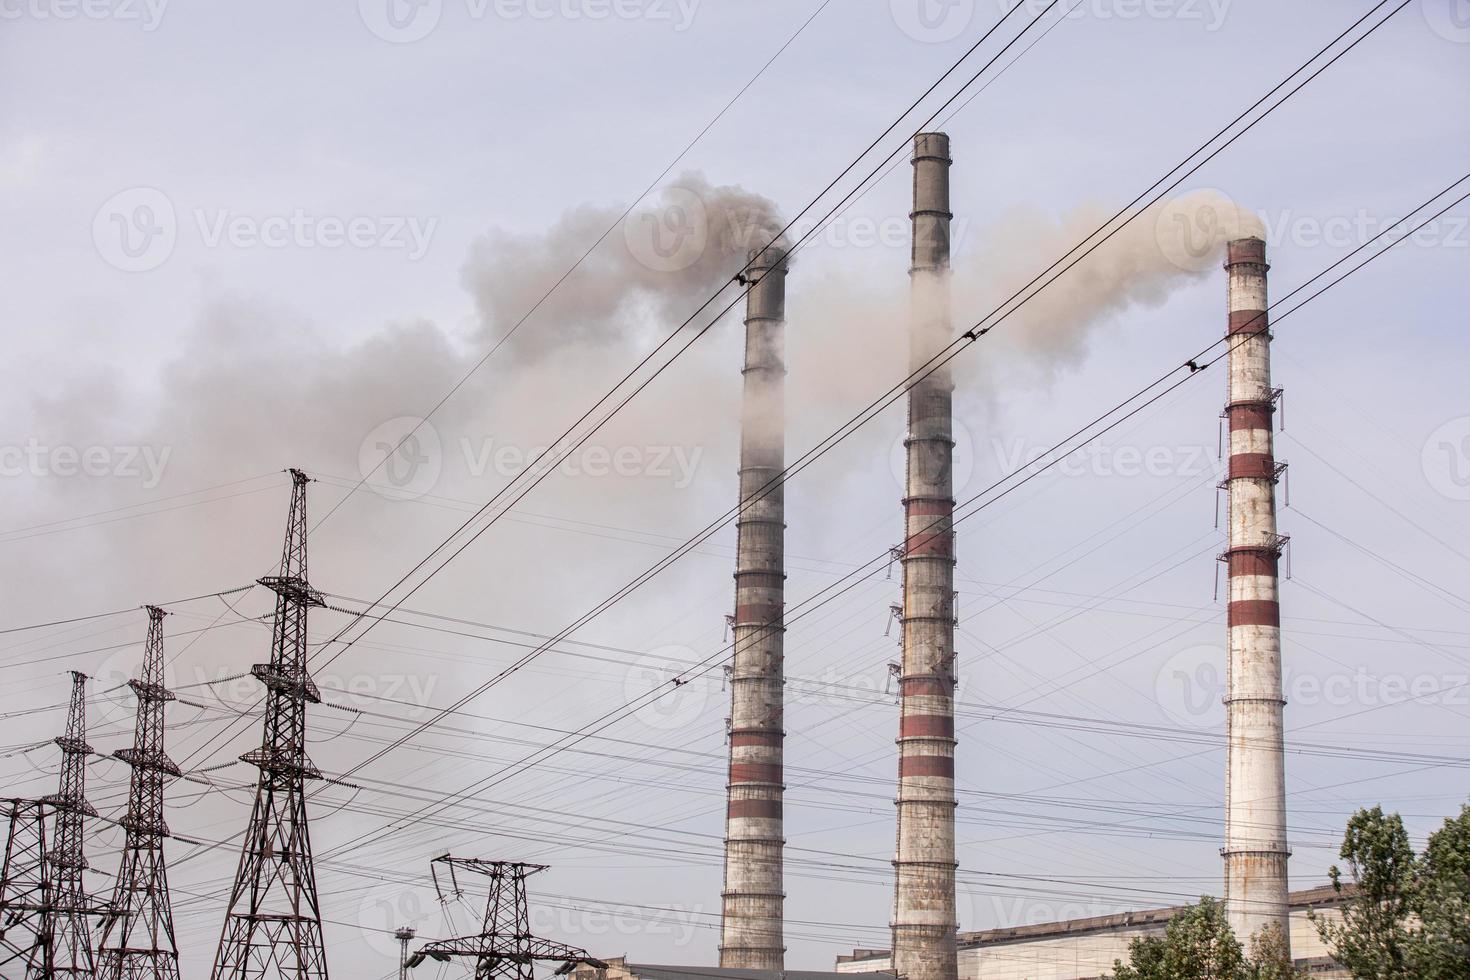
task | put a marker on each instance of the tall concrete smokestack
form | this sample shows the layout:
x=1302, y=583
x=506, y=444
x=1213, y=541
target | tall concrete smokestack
x=924, y=917
x=1255, y=781
x=753, y=898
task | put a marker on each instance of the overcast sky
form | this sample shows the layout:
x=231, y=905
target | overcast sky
x=240, y=238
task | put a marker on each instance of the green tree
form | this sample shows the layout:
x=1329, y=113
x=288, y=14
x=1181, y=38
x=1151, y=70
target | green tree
x=1440, y=947
x=1408, y=917
x=1198, y=944
x=1372, y=939
x=1270, y=959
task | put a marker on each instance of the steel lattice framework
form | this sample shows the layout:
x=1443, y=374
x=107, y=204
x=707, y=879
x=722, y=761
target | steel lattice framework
x=505, y=947
x=65, y=917
x=138, y=933
x=273, y=927
x=25, y=893
x=404, y=935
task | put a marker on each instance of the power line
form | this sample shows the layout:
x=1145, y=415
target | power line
x=581, y=259
x=608, y=718
x=629, y=376
x=120, y=612
x=369, y=607
x=943, y=358
x=667, y=340
x=9, y=534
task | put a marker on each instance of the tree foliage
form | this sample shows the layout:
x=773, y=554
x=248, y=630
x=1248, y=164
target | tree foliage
x=1270, y=956
x=1441, y=947
x=1198, y=944
x=1404, y=916
x=1408, y=916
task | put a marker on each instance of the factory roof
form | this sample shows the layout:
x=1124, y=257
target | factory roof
x=661, y=972
x=1306, y=898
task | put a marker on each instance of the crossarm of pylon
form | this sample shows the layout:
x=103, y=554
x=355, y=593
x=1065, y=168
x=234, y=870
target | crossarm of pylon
x=528, y=951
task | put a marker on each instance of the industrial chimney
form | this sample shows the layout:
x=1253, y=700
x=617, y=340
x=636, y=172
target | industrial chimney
x=1255, y=849
x=753, y=897
x=924, y=918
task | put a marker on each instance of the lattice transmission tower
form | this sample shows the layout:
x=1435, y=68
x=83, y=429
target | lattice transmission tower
x=25, y=892
x=138, y=932
x=273, y=926
x=66, y=917
x=505, y=947
x=404, y=935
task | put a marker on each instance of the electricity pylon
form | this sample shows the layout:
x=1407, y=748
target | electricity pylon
x=138, y=932
x=273, y=926
x=404, y=935
x=504, y=948
x=66, y=915
x=25, y=892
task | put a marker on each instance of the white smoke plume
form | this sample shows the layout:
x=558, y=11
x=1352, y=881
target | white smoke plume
x=1172, y=245
x=848, y=339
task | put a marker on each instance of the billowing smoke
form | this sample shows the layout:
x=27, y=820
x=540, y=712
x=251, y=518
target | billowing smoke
x=1173, y=243
x=849, y=338
x=664, y=260
x=256, y=389
x=763, y=406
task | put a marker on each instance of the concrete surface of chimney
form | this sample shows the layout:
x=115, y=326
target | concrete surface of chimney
x=1255, y=849
x=924, y=914
x=753, y=899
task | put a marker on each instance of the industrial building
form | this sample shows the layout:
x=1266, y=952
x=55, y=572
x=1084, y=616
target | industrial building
x=1086, y=949
x=618, y=968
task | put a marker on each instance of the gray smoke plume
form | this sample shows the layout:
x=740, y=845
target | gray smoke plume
x=221, y=411
x=662, y=261
x=255, y=389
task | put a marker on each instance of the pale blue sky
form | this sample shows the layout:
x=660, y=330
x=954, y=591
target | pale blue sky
x=239, y=359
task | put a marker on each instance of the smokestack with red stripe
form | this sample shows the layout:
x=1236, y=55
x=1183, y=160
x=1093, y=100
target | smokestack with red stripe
x=924, y=915
x=754, y=896
x=1255, y=849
